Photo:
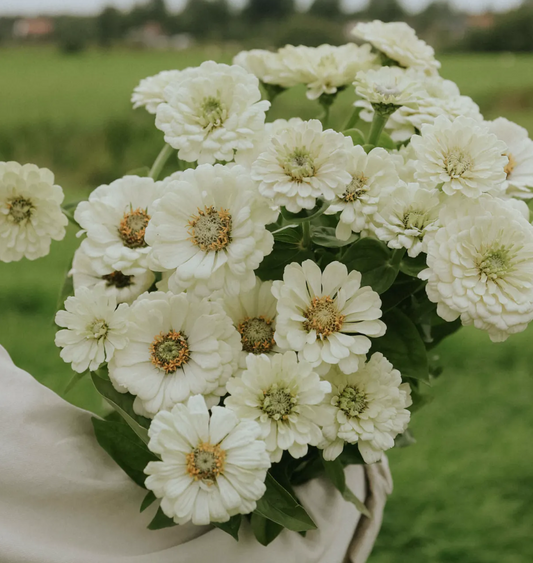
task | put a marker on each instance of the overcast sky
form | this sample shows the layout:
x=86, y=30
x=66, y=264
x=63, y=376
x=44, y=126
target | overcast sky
x=35, y=7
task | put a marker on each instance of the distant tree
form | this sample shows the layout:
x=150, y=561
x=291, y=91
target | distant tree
x=384, y=10
x=327, y=9
x=109, y=26
x=257, y=11
x=205, y=19
x=73, y=34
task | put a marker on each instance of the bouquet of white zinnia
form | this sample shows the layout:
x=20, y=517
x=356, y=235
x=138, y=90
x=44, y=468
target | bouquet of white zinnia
x=263, y=315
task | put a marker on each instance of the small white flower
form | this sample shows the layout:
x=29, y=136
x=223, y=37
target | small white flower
x=212, y=111
x=302, y=163
x=326, y=316
x=388, y=88
x=115, y=220
x=405, y=216
x=209, y=228
x=519, y=169
x=373, y=176
x=269, y=67
x=178, y=347
x=480, y=266
x=95, y=328
x=93, y=272
x=283, y=396
x=30, y=211
x=367, y=408
x=211, y=468
x=150, y=91
x=327, y=68
x=462, y=156
x=399, y=43
x=254, y=316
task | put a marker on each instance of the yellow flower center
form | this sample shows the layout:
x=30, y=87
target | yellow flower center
x=299, y=164
x=99, y=329
x=510, y=166
x=210, y=230
x=169, y=351
x=322, y=315
x=20, y=209
x=132, y=228
x=356, y=188
x=206, y=462
x=257, y=335
x=457, y=162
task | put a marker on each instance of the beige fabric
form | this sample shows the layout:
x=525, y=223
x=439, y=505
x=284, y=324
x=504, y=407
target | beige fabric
x=63, y=500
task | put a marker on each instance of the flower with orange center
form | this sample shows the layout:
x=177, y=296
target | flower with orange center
x=206, y=462
x=323, y=317
x=169, y=351
x=132, y=228
x=210, y=229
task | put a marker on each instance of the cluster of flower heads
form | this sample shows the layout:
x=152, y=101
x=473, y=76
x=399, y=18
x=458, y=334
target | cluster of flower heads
x=166, y=291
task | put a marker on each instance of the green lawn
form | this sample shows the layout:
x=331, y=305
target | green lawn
x=463, y=493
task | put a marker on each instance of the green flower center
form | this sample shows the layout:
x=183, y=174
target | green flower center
x=99, y=329
x=356, y=188
x=495, y=263
x=118, y=280
x=210, y=230
x=351, y=401
x=457, y=162
x=257, y=335
x=20, y=209
x=278, y=402
x=415, y=220
x=213, y=113
x=299, y=164
x=169, y=351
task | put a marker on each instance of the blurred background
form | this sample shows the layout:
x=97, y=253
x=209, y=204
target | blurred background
x=464, y=490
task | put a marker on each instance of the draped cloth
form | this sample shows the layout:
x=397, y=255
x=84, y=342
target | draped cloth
x=64, y=500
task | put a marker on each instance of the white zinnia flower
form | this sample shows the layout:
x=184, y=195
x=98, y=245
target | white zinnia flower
x=373, y=175
x=405, y=216
x=93, y=272
x=212, y=111
x=269, y=67
x=388, y=88
x=462, y=156
x=210, y=229
x=283, y=396
x=178, y=347
x=327, y=68
x=95, y=328
x=367, y=408
x=326, y=316
x=115, y=220
x=211, y=468
x=399, y=43
x=480, y=266
x=519, y=169
x=254, y=316
x=303, y=163
x=30, y=211
x=150, y=91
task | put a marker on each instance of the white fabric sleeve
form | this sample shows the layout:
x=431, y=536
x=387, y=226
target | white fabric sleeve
x=64, y=500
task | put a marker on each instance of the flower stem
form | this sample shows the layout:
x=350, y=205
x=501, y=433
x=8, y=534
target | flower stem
x=378, y=123
x=306, y=239
x=354, y=118
x=160, y=161
x=397, y=256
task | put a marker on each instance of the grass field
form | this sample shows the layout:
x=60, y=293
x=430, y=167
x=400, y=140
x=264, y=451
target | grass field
x=464, y=492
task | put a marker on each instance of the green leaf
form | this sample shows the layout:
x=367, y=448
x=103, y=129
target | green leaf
x=351, y=455
x=440, y=331
x=402, y=345
x=413, y=266
x=231, y=527
x=403, y=288
x=404, y=440
x=74, y=380
x=147, y=501
x=305, y=215
x=160, y=521
x=68, y=210
x=375, y=261
x=386, y=142
x=273, y=265
x=265, y=531
x=349, y=496
x=143, y=171
x=356, y=135
x=125, y=447
x=278, y=505
x=123, y=404
x=290, y=234
x=419, y=399
x=325, y=236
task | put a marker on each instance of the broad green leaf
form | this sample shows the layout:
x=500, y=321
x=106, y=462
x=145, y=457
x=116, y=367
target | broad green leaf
x=305, y=215
x=386, y=142
x=147, y=501
x=404, y=440
x=351, y=455
x=325, y=236
x=349, y=496
x=265, y=531
x=125, y=447
x=74, y=380
x=231, y=527
x=356, y=135
x=273, y=265
x=375, y=262
x=441, y=331
x=402, y=288
x=290, y=234
x=160, y=521
x=278, y=505
x=123, y=404
x=402, y=345
x=413, y=266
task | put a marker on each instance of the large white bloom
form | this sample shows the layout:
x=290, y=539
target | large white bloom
x=462, y=156
x=519, y=169
x=93, y=272
x=326, y=316
x=327, y=68
x=178, y=347
x=283, y=396
x=388, y=86
x=373, y=176
x=368, y=408
x=254, y=316
x=303, y=163
x=212, y=111
x=30, y=211
x=211, y=468
x=149, y=93
x=210, y=229
x=115, y=219
x=399, y=43
x=95, y=328
x=269, y=67
x=405, y=216
x=480, y=266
